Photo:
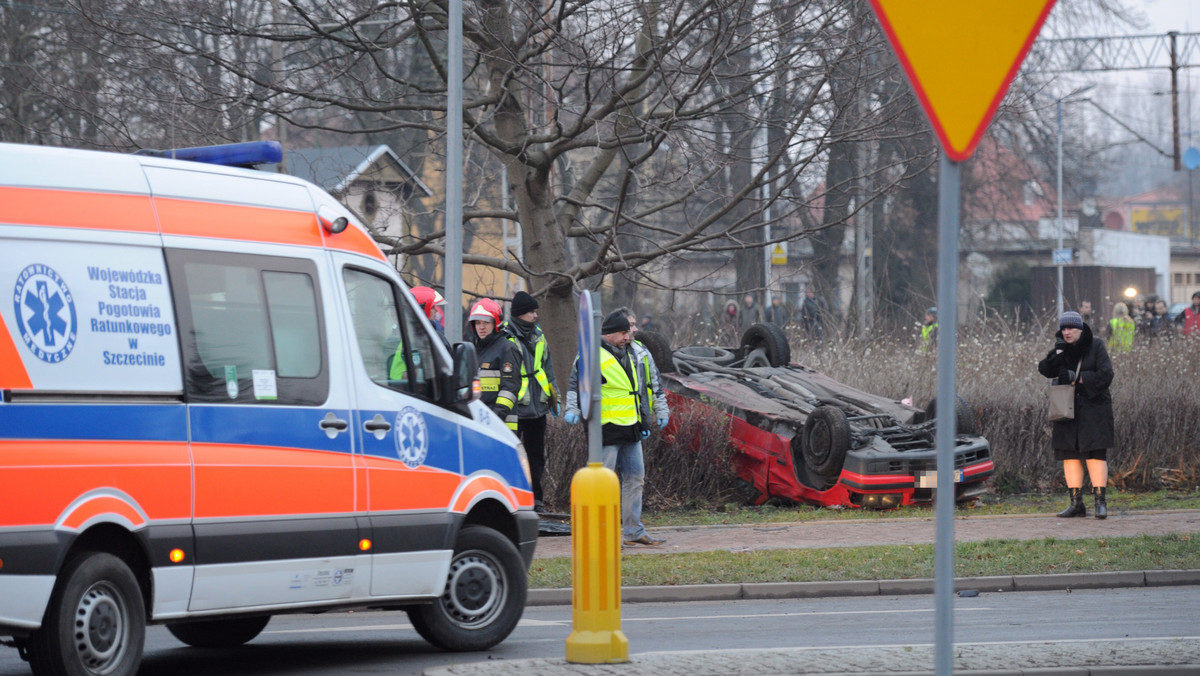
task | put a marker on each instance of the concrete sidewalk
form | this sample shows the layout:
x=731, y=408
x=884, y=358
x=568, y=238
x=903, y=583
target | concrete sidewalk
x=1067, y=658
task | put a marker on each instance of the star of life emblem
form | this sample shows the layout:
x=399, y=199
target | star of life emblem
x=412, y=437
x=45, y=313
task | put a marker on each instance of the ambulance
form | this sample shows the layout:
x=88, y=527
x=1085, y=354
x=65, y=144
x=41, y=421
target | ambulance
x=199, y=427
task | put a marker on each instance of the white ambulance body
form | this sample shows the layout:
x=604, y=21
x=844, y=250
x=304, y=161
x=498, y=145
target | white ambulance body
x=201, y=422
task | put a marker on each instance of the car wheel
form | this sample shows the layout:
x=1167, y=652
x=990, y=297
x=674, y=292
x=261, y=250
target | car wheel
x=771, y=339
x=229, y=633
x=484, y=597
x=964, y=416
x=96, y=622
x=826, y=440
x=660, y=350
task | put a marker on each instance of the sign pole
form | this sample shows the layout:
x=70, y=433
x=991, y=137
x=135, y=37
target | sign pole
x=949, y=189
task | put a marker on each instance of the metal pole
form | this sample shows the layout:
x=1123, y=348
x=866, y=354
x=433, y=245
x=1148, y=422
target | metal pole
x=1059, y=263
x=454, y=177
x=1174, y=99
x=949, y=190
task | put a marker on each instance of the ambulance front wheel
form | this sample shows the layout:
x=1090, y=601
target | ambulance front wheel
x=484, y=596
x=96, y=622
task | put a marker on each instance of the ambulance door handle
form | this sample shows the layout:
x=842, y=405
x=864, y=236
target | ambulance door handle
x=333, y=425
x=377, y=426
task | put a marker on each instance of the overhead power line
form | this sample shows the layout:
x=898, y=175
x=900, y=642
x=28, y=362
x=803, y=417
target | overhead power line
x=1124, y=52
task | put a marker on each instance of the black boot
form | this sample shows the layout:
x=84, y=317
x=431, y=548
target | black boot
x=1076, y=508
x=1101, y=502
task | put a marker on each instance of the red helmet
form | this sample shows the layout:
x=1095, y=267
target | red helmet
x=428, y=299
x=485, y=310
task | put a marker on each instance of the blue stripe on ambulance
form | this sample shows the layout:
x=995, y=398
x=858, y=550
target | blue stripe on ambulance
x=270, y=426
x=440, y=446
x=98, y=422
x=484, y=452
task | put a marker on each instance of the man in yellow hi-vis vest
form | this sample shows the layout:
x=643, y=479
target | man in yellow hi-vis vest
x=621, y=425
x=538, y=395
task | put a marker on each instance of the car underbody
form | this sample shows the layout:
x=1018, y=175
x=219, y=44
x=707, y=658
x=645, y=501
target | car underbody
x=802, y=436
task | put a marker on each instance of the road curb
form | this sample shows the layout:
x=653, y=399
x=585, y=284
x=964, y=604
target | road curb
x=796, y=590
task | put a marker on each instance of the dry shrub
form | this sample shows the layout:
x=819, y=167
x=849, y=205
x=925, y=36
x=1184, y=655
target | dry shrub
x=689, y=467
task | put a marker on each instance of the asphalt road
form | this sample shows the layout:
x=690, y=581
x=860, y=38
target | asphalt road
x=384, y=643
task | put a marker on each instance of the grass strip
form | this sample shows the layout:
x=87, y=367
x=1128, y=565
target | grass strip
x=988, y=505
x=892, y=562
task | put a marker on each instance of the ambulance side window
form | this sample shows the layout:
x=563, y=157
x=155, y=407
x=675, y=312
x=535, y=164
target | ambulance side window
x=396, y=351
x=251, y=328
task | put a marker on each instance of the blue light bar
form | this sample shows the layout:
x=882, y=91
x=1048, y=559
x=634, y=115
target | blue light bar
x=248, y=154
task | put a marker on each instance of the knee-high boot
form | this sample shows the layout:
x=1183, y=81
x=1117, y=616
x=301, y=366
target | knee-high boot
x=1101, y=502
x=1076, y=508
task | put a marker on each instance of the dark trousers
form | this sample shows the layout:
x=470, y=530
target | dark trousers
x=532, y=432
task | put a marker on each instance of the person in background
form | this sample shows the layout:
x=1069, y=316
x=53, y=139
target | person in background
x=1081, y=358
x=750, y=312
x=1161, y=325
x=778, y=313
x=538, y=395
x=1085, y=311
x=622, y=428
x=499, y=361
x=434, y=306
x=653, y=400
x=1191, y=317
x=929, y=331
x=728, y=326
x=647, y=323
x=812, y=314
x=1121, y=329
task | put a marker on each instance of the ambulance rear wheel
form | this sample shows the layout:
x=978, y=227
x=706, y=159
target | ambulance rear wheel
x=96, y=622
x=229, y=633
x=484, y=597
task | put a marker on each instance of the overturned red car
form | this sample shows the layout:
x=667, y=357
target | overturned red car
x=808, y=438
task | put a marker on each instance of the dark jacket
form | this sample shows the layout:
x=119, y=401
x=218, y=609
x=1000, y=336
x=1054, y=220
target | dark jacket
x=1092, y=428
x=526, y=336
x=499, y=375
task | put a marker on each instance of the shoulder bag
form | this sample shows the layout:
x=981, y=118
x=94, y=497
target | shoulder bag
x=1062, y=399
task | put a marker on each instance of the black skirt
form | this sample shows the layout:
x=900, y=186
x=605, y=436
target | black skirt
x=1075, y=454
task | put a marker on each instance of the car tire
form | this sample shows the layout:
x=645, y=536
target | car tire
x=660, y=350
x=826, y=440
x=484, y=596
x=769, y=338
x=98, y=593
x=227, y=633
x=964, y=416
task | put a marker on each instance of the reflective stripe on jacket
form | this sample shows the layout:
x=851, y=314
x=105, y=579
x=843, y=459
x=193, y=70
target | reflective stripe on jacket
x=498, y=377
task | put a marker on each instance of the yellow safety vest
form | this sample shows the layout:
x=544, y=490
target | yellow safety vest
x=1122, y=333
x=927, y=336
x=618, y=396
x=539, y=355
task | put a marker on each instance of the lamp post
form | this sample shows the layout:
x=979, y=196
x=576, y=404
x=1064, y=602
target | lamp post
x=1057, y=257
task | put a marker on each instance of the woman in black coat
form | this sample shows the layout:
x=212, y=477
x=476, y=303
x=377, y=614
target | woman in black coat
x=1081, y=357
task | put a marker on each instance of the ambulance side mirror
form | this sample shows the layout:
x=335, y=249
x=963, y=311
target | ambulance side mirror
x=465, y=374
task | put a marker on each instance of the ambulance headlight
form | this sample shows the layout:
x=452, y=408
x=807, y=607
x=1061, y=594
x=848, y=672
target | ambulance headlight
x=524, y=459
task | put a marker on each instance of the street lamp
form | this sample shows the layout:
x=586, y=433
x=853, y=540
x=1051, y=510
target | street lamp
x=1057, y=255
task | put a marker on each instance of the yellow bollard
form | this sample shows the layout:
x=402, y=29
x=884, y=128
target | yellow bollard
x=596, y=568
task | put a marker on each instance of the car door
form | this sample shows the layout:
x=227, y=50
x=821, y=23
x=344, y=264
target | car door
x=410, y=446
x=269, y=420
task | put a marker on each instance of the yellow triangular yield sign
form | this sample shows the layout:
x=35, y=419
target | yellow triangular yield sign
x=961, y=56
